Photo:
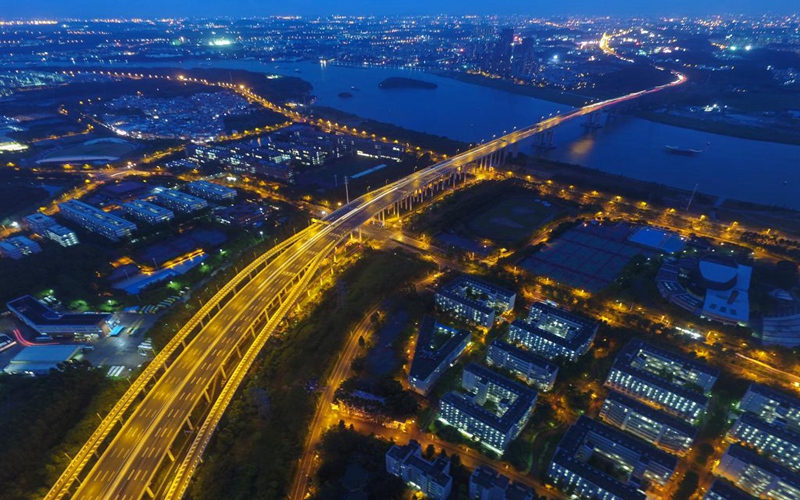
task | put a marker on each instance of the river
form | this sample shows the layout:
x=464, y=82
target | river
x=730, y=167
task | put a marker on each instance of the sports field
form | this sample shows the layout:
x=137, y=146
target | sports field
x=511, y=219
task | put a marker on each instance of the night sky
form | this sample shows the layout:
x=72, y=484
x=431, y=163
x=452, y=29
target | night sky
x=240, y=8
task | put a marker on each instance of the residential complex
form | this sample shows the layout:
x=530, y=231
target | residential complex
x=95, y=220
x=39, y=222
x=530, y=368
x=594, y=460
x=437, y=348
x=18, y=247
x=47, y=321
x=211, y=191
x=495, y=424
x=672, y=382
x=656, y=427
x=148, y=212
x=178, y=200
x=553, y=332
x=432, y=478
x=756, y=475
x=486, y=483
x=474, y=300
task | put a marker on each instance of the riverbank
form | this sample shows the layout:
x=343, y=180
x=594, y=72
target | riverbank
x=552, y=95
x=714, y=127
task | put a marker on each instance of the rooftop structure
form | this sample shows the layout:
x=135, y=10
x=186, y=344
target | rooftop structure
x=781, y=329
x=474, y=300
x=18, y=247
x=530, y=368
x=672, y=382
x=756, y=475
x=438, y=346
x=211, y=191
x=657, y=239
x=554, y=332
x=486, y=483
x=594, y=460
x=430, y=477
x=495, y=425
x=62, y=235
x=96, y=221
x=44, y=320
x=656, y=427
x=148, y=212
x=39, y=360
x=178, y=200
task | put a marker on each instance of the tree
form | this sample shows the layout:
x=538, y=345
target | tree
x=361, y=341
x=518, y=454
x=430, y=451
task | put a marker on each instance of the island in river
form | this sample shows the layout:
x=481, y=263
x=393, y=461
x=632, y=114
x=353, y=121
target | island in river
x=398, y=82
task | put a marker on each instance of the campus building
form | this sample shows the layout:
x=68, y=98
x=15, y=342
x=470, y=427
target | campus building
x=18, y=247
x=178, y=200
x=40, y=359
x=474, y=300
x=63, y=236
x=211, y=191
x=486, y=483
x=148, y=212
x=594, y=460
x=494, y=425
x=530, y=368
x=756, y=475
x=47, y=321
x=438, y=346
x=553, y=332
x=669, y=381
x=772, y=406
x=656, y=427
x=95, y=220
x=773, y=439
x=432, y=478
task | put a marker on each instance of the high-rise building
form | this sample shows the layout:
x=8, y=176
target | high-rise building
x=656, y=427
x=503, y=53
x=773, y=439
x=474, y=300
x=95, y=220
x=594, y=460
x=438, y=346
x=148, y=212
x=495, y=425
x=530, y=368
x=486, y=483
x=553, y=332
x=430, y=477
x=756, y=475
x=63, y=236
x=672, y=382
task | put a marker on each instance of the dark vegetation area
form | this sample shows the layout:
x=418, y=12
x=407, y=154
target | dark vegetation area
x=252, y=456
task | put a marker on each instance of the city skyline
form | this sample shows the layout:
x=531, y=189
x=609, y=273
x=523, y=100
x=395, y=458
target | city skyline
x=251, y=8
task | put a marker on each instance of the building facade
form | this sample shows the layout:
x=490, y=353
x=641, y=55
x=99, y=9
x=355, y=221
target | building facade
x=770, y=439
x=148, y=212
x=553, y=332
x=63, y=236
x=486, y=483
x=474, y=300
x=756, y=475
x=179, y=201
x=18, y=247
x=530, y=368
x=656, y=427
x=211, y=191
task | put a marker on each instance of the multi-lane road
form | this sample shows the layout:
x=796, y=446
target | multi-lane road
x=128, y=465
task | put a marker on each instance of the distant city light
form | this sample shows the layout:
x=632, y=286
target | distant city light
x=220, y=42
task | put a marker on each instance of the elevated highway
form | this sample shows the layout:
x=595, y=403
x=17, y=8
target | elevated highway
x=209, y=356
